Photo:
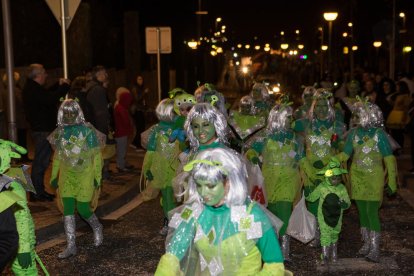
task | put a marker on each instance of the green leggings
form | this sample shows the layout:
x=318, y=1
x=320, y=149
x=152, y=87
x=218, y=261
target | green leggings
x=368, y=214
x=84, y=208
x=283, y=210
x=167, y=200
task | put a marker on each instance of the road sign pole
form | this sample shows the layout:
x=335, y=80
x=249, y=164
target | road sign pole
x=63, y=28
x=159, y=63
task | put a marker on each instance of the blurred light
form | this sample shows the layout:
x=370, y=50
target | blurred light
x=402, y=15
x=266, y=48
x=407, y=49
x=276, y=89
x=218, y=19
x=345, y=34
x=377, y=44
x=350, y=24
x=245, y=70
x=330, y=16
x=295, y=52
x=282, y=33
x=324, y=47
x=192, y=44
x=213, y=53
x=335, y=84
x=219, y=50
x=284, y=46
x=223, y=30
x=346, y=50
x=297, y=31
x=303, y=57
x=214, y=46
x=290, y=52
x=235, y=54
x=257, y=47
x=223, y=27
x=247, y=46
x=320, y=29
x=239, y=45
x=237, y=63
x=354, y=48
x=301, y=46
x=267, y=45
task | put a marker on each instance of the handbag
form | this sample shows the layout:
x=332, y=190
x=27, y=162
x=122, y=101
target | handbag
x=302, y=223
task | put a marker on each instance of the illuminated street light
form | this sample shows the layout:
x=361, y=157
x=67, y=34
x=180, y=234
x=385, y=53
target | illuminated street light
x=192, y=44
x=330, y=17
x=377, y=44
x=284, y=46
x=407, y=49
x=324, y=47
x=301, y=46
x=354, y=48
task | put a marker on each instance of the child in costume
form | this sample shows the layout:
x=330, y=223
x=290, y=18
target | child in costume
x=160, y=161
x=333, y=199
x=15, y=196
x=322, y=133
x=218, y=231
x=76, y=171
x=282, y=150
x=370, y=148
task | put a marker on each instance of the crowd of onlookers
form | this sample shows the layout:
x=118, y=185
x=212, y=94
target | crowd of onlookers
x=37, y=105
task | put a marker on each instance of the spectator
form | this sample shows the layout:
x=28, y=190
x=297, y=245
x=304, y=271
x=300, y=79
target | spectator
x=123, y=127
x=78, y=91
x=98, y=98
x=140, y=93
x=40, y=105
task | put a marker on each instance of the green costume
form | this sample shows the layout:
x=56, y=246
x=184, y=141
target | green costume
x=221, y=241
x=333, y=199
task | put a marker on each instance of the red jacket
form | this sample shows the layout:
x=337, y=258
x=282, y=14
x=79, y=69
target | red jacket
x=123, y=123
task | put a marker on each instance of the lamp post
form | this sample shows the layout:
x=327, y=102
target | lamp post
x=330, y=17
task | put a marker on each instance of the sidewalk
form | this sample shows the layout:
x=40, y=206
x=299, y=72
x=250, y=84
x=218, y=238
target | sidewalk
x=122, y=188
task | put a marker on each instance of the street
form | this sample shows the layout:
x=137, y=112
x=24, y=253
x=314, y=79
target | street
x=132, y=246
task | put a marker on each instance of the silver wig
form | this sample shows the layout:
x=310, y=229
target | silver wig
x=221, y=102
x=230, y=169
x=248, y=102
x=308, y=91
x=279, y=118
x=70, y=113
x=323, y=94
x=165, y=110
x=369, y=115
x=206, y=112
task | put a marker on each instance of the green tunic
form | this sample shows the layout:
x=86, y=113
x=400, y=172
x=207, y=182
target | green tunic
x=281, y=152
x=369, y=147
x=234, y=240
x=245, y=125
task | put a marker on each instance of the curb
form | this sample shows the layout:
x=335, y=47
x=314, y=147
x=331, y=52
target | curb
x=49, y=232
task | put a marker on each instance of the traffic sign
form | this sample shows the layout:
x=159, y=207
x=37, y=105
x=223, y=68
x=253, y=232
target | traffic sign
x=152, y=43
x=70, y=9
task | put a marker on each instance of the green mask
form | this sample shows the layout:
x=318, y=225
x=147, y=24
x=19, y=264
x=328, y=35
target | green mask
x=321, y=109
x=212, y=193
x=204, y=131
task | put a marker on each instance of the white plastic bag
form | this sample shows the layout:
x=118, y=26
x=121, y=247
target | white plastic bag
x=256, y=184
x=302, y=223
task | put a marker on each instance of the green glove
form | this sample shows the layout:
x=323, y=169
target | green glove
x=24, y=259
x=96, y=183
x=318, y=164
x=390, y=192
x=317, y=182
x=308, y=190
x=148, y=175
x=343, y=204
x=54, y=183
x=255, y=160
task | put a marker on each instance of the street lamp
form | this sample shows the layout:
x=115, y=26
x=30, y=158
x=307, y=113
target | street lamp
x=330, y=17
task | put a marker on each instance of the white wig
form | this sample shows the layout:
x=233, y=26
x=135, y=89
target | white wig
x=369, y=114
x=278, y=118
x=206, y=112
x=308, y=91
x=322, y=94
x=165, y=110
x=70, y=113
x=225, y=165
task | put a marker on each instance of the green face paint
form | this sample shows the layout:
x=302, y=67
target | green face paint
x=204, y=131
x=321, y=109
x=212, y=193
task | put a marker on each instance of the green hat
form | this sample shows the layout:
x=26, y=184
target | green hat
x=333, y=168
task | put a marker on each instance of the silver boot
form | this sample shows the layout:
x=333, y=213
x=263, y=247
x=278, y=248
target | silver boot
x=286, y=247
x=70, y=231
x=97, y=229
x=316, y=242
x=325, y=255
x=365, y=238
x=374, y=251
x=334, y=252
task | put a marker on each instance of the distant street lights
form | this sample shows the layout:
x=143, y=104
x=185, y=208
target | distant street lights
x=330, y=17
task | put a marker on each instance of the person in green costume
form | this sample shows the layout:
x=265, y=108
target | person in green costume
x=183, y=102
x=260, y=95
x=282, y=151
x=323, y=135
x=307, y=99
x=160, y=161
x=370, y=148
x=76, y=171
x=13, y=194
x=243, y=122
x=333, y=199
x=218, y=230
